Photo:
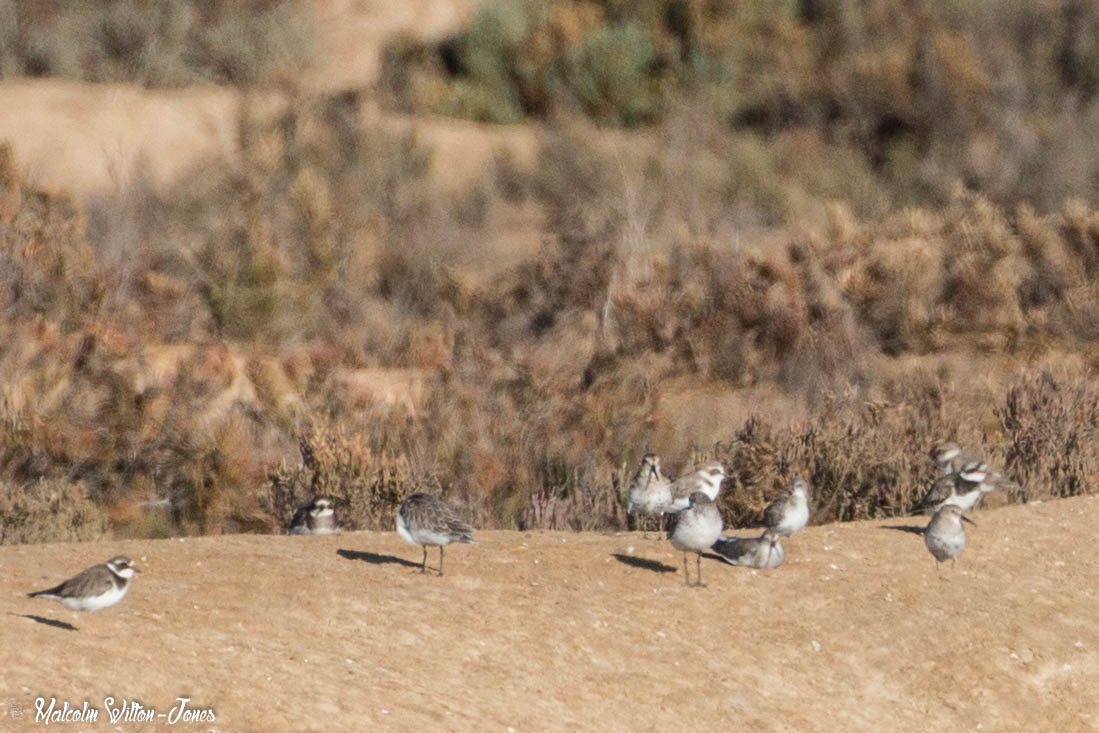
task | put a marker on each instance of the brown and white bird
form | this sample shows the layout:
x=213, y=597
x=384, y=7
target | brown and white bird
x=964, y=488
x=763, y=552
x=428, y=521
x=788, y=513
x=706, y=478
x=650, y=491
x=954, y=489
x=100, y=586
x=696, y=530
x=316, y=517
x=988, y=479
x=945, y=535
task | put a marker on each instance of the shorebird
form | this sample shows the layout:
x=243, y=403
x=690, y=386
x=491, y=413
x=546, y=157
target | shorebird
x=788, y=513
x=696, y=530
x=955, y=489
x=763, y=552
x=706, y=478
x=650, y=492
x=425, y=520
x=316, y=517
x=100, y=586
x=945, y=535
x=964, y=488
x=988, y=479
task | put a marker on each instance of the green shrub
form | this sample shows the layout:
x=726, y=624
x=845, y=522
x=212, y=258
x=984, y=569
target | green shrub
x=610, y=73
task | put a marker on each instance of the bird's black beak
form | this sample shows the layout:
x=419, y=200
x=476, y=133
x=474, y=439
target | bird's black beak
x=967, y=519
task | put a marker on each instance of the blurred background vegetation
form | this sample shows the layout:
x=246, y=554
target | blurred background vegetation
x=802, y=237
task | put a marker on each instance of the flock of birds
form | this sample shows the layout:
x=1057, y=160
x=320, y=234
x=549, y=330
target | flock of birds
x=696, y=524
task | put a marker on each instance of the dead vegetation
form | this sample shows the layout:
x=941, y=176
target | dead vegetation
x=303, y=321
x=156, y=44
x=199, y=387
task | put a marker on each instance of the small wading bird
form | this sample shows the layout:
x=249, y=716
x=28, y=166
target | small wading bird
x=961, y=489
x=696, y=530
x=788, y=513
x=953, y=460
x=965, y=488
x=428, y=521
x=763, y=552
x=100, y=586
x=945, y=535
x=650, y=492
x=316, y=517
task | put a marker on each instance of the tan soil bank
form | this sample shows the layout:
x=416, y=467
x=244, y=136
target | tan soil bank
x=555, y=631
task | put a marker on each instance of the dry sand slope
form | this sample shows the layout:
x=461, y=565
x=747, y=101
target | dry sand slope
x=556, y=631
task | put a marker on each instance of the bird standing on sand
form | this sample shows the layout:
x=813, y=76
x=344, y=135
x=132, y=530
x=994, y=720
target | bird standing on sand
x=788, y=513
x=696, y=530
x=97, y=587
x=945, y=535
x=650, y=491
x=425, y=520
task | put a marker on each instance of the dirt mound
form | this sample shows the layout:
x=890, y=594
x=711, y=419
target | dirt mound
x=556, y=631
x=94, y=139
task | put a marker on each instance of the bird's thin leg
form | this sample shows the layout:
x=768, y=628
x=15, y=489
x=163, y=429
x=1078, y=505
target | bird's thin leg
x=440, y=559
x=423, y=564
x=698, y=570
x=686, y=576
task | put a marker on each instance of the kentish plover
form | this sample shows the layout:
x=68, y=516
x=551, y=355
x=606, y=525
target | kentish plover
x=706, y=478
x=650, y=491
x=945, y=535
x=763, y=552
x=317, y=517
x=696, y=530
x=425, y=520
x=788, y=513
x=97, y=587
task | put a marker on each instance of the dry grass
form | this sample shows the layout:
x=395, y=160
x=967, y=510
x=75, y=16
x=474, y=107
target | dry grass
x=158, y=44
x=913, y=98
x=298, y=323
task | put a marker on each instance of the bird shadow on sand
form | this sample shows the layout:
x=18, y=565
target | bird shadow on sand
x=49, y=621
x=640, y=562
x=376, y=559
x=903, y=528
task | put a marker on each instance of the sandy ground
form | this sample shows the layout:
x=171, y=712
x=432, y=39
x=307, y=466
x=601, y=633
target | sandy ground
x=350, y=35
x=91, y=140
x=557, y=631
